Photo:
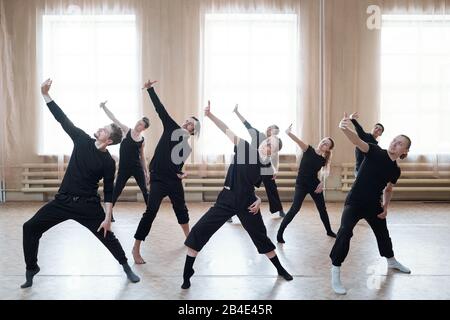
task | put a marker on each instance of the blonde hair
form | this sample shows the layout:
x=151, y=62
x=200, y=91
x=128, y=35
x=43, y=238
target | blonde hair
x=328, y=156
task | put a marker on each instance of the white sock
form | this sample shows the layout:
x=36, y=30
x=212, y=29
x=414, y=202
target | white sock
x=394, y=264
x=336, y=280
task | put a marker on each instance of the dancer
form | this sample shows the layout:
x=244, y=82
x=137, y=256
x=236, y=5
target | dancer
x=77, y=198
x=268, y=180
x=307, y=182
x=237, y=198
x=366, y=200
x=372, y=137
x=165, y=171
x=132, y=156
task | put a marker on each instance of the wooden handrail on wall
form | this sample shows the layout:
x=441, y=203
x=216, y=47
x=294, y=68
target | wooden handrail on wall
x=416, y=177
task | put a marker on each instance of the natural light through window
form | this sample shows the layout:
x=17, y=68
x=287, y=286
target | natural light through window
x=250, y=60
x=415, y=80
x=91, y=58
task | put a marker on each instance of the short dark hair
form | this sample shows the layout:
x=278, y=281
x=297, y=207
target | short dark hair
x=280, y=143
x=197, y=127
x=146, y=122
x=408, y=139
x=273, y=126
x=379, y=124
x=116, y=134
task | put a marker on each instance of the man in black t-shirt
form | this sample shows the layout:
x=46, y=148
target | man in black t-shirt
x=77, y=198
x=166, y=173
x=237, y=198
x=369, y=199
x=372, y=137
x=269, y=182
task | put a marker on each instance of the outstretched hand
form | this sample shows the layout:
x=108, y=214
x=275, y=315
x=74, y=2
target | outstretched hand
x=103, y=104
x=45, y=86
x=289, y=129
x=345, y=122
x=149, y=84
x=236, y=108
x=208, y=109
x=354, y=116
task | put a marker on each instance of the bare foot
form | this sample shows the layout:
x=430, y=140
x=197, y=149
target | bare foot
x=137, y=256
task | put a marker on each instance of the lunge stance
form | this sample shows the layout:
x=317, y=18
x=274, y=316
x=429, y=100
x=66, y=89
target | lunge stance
x=314, y=160
x=237, y=198
x=268, y=180
x=132, y=156
x=165, y=171
x=367, y=200
x=77, y=198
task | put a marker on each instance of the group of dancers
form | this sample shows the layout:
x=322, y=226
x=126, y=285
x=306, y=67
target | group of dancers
x=254, y=162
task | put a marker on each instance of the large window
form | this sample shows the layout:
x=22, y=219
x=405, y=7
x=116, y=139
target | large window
x=415, y=80
x=250, y=60
x=91, y=58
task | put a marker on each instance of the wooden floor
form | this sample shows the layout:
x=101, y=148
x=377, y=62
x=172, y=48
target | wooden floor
x=74, y=265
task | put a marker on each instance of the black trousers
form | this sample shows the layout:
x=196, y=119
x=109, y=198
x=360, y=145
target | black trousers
x=272, y=194
x=86, y=211
x=217, y=215
x=122, y=177
x=300, y=193
x=159, y=189
x=350, y=217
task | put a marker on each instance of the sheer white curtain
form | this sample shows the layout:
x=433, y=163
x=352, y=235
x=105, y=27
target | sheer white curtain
x=91, y=58
x=415, y=80
x=250, y=60
x=250, y=56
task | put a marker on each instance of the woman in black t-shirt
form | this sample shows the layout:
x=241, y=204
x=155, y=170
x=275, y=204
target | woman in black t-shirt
x=307, y=182
x=132, y=156
x=237, y=198
x=369, y=199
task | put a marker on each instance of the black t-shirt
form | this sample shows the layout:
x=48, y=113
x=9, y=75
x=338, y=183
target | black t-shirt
x=255, y=134
x=364, y=136
x=87, y=165
x=245, y=171
x=309, y=167
x=376, y=171
x=130, y=152
x=162, y=164
x=257, y=138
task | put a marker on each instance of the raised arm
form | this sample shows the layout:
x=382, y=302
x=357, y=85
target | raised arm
x=243, y=120
x=344, y=125
x=113, y=118
x=160, y=109
x=359, y=130
x=222, y=126
x=59, y=115
x=300, y=143
x=254, y=133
